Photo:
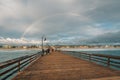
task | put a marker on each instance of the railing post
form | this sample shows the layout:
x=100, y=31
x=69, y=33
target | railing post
x=80, y=54
x=19, y=65
x=89, y=57
x=30, y=60
x=108, y=62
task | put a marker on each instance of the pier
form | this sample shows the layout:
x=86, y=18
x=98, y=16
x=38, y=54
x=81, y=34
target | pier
x=59, y=66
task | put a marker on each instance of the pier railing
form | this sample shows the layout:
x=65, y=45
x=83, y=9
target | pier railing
x=10, y=67
x=102, y=59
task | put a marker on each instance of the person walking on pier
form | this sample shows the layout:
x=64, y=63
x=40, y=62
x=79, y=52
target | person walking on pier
x=43, y=51
x=48, y=51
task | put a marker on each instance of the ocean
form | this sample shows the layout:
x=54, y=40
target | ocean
x=115, y=52
x=11, y=54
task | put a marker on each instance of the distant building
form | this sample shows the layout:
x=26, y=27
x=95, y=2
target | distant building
x=6, y=46
x=24, y=47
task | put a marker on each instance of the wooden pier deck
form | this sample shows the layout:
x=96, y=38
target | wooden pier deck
x=58, y=66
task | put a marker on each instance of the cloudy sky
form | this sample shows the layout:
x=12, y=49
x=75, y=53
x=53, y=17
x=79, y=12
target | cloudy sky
x=61, y=21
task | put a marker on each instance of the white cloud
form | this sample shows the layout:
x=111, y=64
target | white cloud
x=18, y=41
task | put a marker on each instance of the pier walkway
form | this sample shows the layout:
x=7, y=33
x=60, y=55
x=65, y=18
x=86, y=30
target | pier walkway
x=59, y=66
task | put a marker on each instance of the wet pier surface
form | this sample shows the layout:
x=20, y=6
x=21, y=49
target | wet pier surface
x=59, y=66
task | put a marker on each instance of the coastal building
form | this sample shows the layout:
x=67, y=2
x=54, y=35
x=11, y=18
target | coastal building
x=24, y=47
x=6, y=46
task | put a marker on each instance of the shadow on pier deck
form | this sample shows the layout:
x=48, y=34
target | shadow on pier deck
x=58, y=66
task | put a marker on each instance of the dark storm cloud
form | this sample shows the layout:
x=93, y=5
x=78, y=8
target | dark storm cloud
x=107, y=11
x=108, y=38
x=61, y=20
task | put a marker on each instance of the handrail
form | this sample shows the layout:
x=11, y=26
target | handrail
x=107, y=56
x=9, y=67
x=107, y=60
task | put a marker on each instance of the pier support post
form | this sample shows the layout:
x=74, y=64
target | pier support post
x=108, y=62
x=19, y=66
x=89, y=57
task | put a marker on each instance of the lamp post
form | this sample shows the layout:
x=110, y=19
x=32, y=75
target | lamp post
x=43, y=39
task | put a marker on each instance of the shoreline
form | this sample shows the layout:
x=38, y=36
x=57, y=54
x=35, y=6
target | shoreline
x=62, y=49
x=88, y=49
x=20, y=49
